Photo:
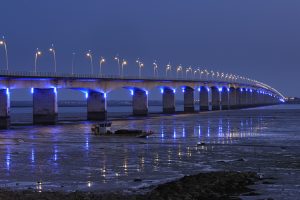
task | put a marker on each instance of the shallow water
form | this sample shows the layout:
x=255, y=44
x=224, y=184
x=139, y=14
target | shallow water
x=68, y=157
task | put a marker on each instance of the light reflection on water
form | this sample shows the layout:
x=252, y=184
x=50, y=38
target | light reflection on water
x=71, y=156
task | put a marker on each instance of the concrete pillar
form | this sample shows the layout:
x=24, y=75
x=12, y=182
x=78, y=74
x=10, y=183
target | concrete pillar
x=140, y=102
x=250, y=97
x=168, y=98
x=4, y=108
x=96, y=106
x=44, y=106
x=189, y=99
x=232, y=98
x=238, y=98
x=243, y=100
x=216, y=98
x=205, y=99
x=225, y=99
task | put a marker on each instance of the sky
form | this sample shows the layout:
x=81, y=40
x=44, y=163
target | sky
x=259, y=39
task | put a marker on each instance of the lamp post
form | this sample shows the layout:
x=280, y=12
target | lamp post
x=118, y=61
x=37, y=54
x=73, y=62
x=178, y=69
x=124, y=62
x=90, y=56
x=168, y=68
x=52, y=50
x=141, y=65
x=3, y=42
x=155, y=69
x=101, y=61
x=189, y=69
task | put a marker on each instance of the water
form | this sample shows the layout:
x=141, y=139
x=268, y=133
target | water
x=68, y=157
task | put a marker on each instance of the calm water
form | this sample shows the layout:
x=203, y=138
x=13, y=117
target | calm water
x=68, y=157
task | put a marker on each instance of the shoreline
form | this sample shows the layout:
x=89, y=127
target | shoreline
x=208, y=185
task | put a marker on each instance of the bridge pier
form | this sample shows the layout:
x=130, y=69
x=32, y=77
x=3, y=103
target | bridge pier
x=205, y=99
x=216, y=98
x=140, y=102
x=4, y=109
x=44, y=106
x=225, y=98
x=96, y=106
x=239, y=98
x=168, y=98
x=243, y=101
x=188, y=99
x=232, y=98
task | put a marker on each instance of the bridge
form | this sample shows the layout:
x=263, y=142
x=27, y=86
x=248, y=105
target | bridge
x=215, y=93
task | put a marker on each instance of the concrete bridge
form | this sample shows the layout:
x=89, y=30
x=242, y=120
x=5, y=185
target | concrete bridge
x=214, y=93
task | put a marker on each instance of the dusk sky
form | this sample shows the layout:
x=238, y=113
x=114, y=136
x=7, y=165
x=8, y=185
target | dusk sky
x=259, y=39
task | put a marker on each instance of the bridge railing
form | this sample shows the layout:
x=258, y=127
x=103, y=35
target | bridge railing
x=204, y=78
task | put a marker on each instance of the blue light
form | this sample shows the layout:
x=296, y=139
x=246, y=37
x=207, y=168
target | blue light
x=228, y=89
x=161, y=90
x=105, y=95
x=131, y=92
x=32, y=90
x=7, y=91
x=174, y=91
x=241, y=89
x=183, y=90
x=251, y=90
x=147, y=92
x=55, y=90
x=86, y=95
x=199, y=89
x=220, y=89
x=207, y=89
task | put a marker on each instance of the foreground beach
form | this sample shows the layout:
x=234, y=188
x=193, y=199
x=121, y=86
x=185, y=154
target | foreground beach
x=214, y=185
x=66, y=158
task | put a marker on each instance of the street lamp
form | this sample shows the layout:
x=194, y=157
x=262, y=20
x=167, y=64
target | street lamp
x=118, y=61
x=90, y=56
x=73, y=62
x=101, y=61
x=155, y=68
x=189, y=69
x=141, y=65
x=168, y=68
x=37, y=54
x=124, y=62
x=178, y=69
x=52, y=50
x=3, y=42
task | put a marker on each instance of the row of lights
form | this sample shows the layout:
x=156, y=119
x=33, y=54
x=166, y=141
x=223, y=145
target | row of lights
x=189, y=71
x=122, y=62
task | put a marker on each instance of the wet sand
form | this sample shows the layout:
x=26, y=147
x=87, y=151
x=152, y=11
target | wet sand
x=67, y=157
x=213, y=185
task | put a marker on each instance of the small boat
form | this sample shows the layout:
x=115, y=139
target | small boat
x=133, y=132
x=104, y=128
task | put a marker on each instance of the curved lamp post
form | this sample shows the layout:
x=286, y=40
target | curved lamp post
x=52, y=50
x=140, y=65
x=155, y=69
x=3, y=42
x=37, y=54
x=168, y=68
x=101, y=61
x=178, y=70
x=118, y=61
x=90, y=56
x=124, y=62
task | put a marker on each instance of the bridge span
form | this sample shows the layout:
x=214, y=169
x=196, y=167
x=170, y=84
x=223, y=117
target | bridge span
x=214, y=93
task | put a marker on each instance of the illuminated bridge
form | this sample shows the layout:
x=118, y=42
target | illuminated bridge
x=215, y=93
